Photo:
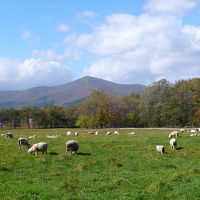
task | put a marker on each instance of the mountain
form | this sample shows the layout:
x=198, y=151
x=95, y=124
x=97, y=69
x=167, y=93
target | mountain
x=66, y=94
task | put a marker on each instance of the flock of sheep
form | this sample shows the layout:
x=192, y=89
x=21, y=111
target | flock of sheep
x=72, y=146
x=173, y=142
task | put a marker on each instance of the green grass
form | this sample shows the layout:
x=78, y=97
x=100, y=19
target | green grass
x=106, y=167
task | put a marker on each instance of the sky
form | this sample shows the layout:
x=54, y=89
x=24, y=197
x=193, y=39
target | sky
x=48, y=42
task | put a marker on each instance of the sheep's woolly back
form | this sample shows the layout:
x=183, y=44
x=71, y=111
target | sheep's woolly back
x=72, y=146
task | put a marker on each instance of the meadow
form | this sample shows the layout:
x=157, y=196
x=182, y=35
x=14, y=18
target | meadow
x=105, y=167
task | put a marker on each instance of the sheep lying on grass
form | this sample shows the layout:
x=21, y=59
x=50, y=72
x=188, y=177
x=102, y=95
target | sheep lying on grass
x=173, y=143
x=42, y=146
x=32, y=136
x=160, y=149
x=174, y=134
x=3, y=135
x=96, y=133
x=108, y=133
x=23, y=142
x=52, y=136
x=116, y=133
x=72, y=146
x=132, y=133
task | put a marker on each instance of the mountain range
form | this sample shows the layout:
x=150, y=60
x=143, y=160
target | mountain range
x=65, y=94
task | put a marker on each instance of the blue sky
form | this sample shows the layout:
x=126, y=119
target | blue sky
x=131, y=41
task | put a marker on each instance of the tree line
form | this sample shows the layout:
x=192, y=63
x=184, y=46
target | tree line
x=161, y=105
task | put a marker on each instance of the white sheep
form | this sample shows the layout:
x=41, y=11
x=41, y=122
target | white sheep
x=182, y=130
x=108, y=133
x=72, y=146
x=193, y=134
x=193, y=131
x=69, y=133
x=173, y=143
x=32, y=136
x=76, y=133
x=9, y=135
x=116, y=133
x=96, y=133
x=160, y=149
x=132, y=133
x=42, y=146
x=23, y=142
x=3, y=135
x=174, y=133
x=52, y=136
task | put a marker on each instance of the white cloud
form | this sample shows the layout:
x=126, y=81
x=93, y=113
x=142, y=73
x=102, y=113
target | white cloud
x=63, y=28
x=177, y=7
x=141, y=49
x=89, y=14
x=44, y=68
x=29, y=37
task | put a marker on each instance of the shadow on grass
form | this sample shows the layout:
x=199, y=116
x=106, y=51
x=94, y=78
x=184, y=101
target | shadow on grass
x=53, y=153
x=83, y=154
x=179, y=148
x=4, y=169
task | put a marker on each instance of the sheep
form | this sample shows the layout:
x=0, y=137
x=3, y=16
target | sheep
x=194, y=134
x=76, y=133
x=9, y=135
x=160, y=149
x=52, y=136
x=173, y=143
x=173, y=133
x=3, y=135
x=23, y=142
x=69, y=133
x=72, y=146
x=193, y=131
x=132, y=133
x=108, y=133
x=96, y=133
x=116, y=133
x=182, y=130
x=91, y=133
x=32, y=136
x=42, y=146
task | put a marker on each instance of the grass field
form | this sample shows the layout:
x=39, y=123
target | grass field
x=105, y=167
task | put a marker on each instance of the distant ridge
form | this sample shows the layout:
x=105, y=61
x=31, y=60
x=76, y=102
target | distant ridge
x=65, y=94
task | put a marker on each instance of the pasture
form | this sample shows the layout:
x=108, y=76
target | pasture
x=105, y=167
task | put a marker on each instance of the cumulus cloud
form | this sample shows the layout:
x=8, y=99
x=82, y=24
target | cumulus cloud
x=29, y=37
x=43, y=68
x=142, y=49
x=63, y=28
x=177, y=7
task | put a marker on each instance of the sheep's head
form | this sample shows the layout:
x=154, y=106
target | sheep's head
x=30, y=151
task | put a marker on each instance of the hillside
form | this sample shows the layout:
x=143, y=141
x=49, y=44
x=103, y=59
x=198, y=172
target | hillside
x=66, y=94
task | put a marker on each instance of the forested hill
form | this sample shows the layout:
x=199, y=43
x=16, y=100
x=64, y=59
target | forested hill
x=66, y=94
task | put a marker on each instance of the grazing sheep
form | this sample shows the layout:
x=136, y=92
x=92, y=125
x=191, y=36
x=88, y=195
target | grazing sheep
x=116, y=133
x=3, y=135
x=173, y=133
x=91, y=133
x=9, y=135
x=182, y=130
x=132, y=133
x=23, y=142
x=173, y=143
x=52, y=136
x=69, y=133
x=160, y=149
x=195, y=134
x=42, y=146
x=108, y=133
x=193, y=131
x=96, y=133
x=32, y=136
x=72, y=146
x=76, y=133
